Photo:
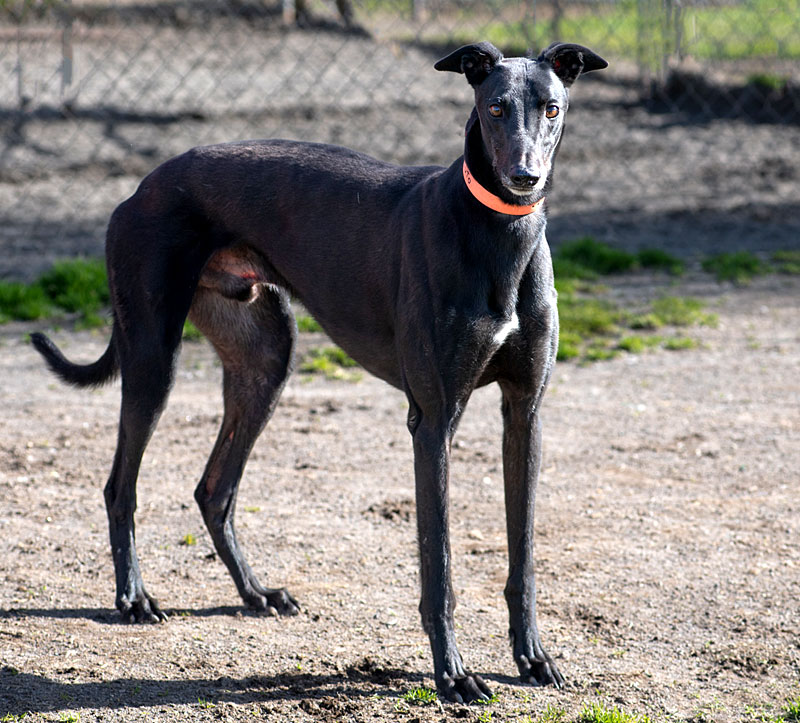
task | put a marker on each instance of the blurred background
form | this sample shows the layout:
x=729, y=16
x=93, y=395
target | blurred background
x=689, y=142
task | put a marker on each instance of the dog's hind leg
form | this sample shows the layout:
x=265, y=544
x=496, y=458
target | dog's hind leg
x=255, y=341
x=146, y=355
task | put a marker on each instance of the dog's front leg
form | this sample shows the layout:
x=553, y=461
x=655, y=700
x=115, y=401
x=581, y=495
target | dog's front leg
x=431, y=467
x=522, y=443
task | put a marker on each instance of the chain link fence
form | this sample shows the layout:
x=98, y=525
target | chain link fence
x=690, y=140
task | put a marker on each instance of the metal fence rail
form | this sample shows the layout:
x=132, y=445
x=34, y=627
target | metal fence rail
x=691, y=131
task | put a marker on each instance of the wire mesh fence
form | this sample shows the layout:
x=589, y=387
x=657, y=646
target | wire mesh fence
x=690, y=139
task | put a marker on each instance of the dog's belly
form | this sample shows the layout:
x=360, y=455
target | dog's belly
x=239, y=273
x=235, y=273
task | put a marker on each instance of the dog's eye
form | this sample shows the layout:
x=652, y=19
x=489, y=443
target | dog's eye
x=495, y=110
x=551, y=111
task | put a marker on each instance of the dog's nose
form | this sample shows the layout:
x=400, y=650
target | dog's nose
x=524, y=179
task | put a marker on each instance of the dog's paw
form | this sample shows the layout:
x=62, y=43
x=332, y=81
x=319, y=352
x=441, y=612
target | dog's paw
x=539, y=671
x=467, y=688
x=143, y=609
x=280, y=602
x=274, y=602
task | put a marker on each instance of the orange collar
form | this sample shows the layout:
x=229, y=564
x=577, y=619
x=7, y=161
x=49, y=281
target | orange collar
x=488, y=199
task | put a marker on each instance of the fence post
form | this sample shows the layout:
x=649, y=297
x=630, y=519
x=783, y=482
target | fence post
x=66, y=48
x=530, y=27
x=678, y=24
x=289, y=11
x=651, y=41
x=558, y=14
x=19, y=71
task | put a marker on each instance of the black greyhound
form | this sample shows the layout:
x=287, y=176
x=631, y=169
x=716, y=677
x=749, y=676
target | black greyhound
x=437, y=280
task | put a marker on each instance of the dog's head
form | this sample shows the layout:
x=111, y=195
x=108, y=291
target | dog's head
x=520, y=104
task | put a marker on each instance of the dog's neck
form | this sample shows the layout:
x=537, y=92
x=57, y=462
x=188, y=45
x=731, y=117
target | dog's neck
x=505, y=261
x=476, y=157
x=495, y=203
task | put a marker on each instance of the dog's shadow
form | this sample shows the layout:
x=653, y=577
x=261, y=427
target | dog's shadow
x=22, y=692
x=109, y=616
x=25, y=693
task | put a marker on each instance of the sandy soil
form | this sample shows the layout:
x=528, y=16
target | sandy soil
x=667, y=524
x=668, y=536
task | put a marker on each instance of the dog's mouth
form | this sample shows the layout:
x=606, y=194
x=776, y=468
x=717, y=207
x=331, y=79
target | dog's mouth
x=523, y=189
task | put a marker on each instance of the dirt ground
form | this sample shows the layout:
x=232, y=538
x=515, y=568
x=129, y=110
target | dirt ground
x=668, y=539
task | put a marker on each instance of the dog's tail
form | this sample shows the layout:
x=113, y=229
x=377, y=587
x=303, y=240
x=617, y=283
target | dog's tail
x=104, y=370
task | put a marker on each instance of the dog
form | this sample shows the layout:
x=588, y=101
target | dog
x=436, y=280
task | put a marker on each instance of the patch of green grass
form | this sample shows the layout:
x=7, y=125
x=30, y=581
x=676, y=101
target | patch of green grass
x=587, y=316
x=680, y=343
x=585, y=323
x=586, y=259
x=336, y=355
x=569, y=345
x=594, y=328
x=79, y=286
x=763, y=28
x=596, y=257
x=191, y=332
x=305, y=322
x=599, y=351
x=332, y=362
x=792, y=710
x=786, y=262
x=568, y=270
x=600, y=713
x=767, y=82
x=23, y=302
x=420, y=696
x=682, y=311
x=552, y=714
x=762, y=714
x=737, y=266
x=647, y=320
x=632, y=344
x=661, y=261
x=566, y=285
x=748, y=29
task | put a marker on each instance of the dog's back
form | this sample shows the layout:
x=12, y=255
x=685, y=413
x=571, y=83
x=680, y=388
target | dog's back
x=318, y=220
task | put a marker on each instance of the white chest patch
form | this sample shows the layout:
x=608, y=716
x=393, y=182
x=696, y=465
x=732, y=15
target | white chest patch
x=510, y=326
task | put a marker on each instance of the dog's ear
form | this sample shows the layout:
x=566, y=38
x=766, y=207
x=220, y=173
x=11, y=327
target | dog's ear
x=568, y=61
x=475, y=61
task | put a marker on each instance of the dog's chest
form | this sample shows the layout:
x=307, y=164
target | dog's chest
x=504, y=329
x=487, y=331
